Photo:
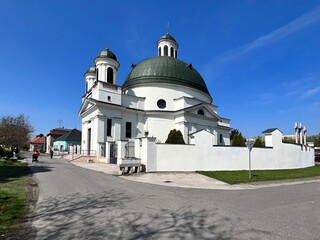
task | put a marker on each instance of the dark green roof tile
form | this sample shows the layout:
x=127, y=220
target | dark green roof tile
x=91, y=70
x=107, y=54
x=167, y=36
x=167, y=70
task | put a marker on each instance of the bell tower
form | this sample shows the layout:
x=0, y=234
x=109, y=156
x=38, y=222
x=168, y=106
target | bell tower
x=102, y=79
x=107, y=67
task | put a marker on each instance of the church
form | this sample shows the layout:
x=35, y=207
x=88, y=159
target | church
x=159, y=94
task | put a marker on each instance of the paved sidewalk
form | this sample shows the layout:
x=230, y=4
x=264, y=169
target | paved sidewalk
x=172, y=179
x=183, y=179
x=99, y=167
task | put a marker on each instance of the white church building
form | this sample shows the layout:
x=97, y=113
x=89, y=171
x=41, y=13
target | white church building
x=128, y=125
x=159, y=94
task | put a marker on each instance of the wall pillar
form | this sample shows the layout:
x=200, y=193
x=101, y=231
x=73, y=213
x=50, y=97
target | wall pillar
x=107, y=152
x=137, y=147
x=121, y=150
x=149, y=153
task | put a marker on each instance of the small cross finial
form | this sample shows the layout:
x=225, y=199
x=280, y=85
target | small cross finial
x=60, y=123
x=168, y=26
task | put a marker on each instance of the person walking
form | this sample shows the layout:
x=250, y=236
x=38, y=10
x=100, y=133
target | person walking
x=51, y=153
x=35, y=156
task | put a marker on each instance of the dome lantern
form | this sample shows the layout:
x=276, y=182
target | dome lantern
x=167, y=46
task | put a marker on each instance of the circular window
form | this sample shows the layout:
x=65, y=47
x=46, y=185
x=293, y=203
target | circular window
x=161, y=103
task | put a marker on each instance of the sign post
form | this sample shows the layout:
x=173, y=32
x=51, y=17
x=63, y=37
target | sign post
x=249, y=144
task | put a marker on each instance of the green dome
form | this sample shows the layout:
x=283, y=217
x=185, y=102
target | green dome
x=107, y=54
x=165, y=69
x=91, y=70
x=167, y=36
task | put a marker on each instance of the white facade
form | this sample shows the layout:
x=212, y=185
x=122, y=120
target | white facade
x=152, y=105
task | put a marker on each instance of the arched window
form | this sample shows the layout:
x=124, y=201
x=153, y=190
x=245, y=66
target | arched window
x=159, y=52
x=171, y=52
x=110, y=75
x=176, y=54
x=166, y=50
x=200, y=112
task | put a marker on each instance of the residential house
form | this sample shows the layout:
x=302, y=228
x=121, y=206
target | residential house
x=70, y=142
x=53, y=135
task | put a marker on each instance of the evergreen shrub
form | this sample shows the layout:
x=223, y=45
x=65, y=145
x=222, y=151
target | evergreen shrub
x=175, y=137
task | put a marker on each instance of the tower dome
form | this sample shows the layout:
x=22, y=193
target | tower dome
x=167, y=36
x=107, y=54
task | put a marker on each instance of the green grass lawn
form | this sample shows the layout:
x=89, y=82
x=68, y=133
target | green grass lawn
x=235, y=177
x=14, y=204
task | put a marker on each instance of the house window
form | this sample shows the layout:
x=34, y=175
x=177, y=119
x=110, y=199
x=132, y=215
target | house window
x=128, y=129
x=110, y=75
x=166, y=50
x=176, y=54
x=221, y=138
x=109, y=127
x=200, y=112
x=171, y=52
x=159, y=52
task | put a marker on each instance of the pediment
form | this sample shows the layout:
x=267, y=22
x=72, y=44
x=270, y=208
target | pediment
x=202, y=110
x=86, y=105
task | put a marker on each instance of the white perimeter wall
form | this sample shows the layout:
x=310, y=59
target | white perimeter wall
x=204, y=156
x=192, y=158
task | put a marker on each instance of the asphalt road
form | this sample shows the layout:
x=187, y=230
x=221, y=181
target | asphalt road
x=77, y=203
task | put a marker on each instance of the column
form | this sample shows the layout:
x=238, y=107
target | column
x=300, y=133
x=103, y=70
x=296, y=132
x=305, y=135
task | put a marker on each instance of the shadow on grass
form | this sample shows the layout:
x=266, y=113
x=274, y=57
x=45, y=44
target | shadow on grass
x=10, y=171
x=112, y=215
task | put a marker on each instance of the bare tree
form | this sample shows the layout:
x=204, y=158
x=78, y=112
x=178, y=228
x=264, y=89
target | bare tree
x=15, y=131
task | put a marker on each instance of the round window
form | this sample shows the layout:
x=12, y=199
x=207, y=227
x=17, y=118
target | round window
x=161, y=103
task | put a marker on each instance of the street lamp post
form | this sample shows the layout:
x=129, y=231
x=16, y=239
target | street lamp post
x=249, y=144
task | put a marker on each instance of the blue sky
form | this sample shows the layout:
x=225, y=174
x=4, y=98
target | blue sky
x=260, y=59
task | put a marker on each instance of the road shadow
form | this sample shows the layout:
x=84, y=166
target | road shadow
x=38, y=168
x=115, y=215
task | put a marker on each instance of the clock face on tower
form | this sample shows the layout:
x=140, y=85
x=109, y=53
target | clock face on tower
x=161, y=103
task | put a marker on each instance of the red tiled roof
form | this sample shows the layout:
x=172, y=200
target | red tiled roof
x=39, y=140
